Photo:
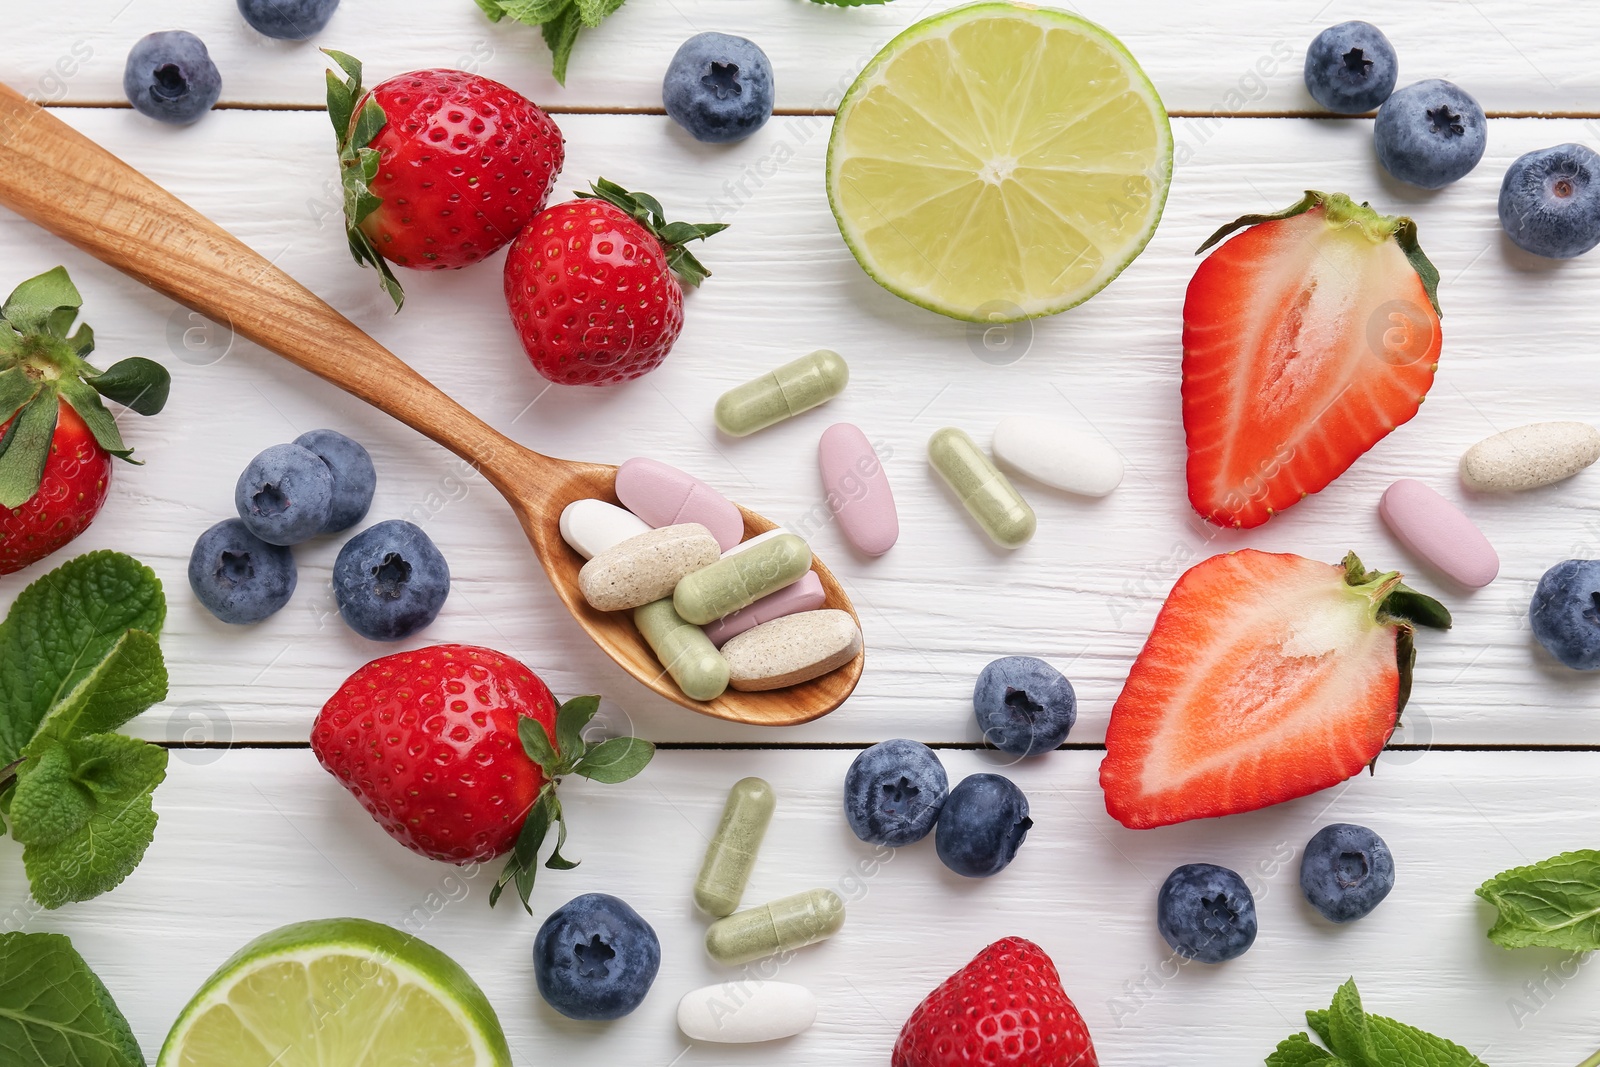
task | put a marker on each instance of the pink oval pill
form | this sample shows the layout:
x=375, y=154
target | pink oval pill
x=804, y=595
x=1439, y=532
x=858, y=489
x=666, y=496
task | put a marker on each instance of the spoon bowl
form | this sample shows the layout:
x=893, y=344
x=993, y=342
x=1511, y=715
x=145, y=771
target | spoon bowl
x=62, y=181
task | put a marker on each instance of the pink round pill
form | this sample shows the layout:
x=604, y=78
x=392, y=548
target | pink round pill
x=1439, y=532
x=805, y=595
x=858, y=489
x=666, y=496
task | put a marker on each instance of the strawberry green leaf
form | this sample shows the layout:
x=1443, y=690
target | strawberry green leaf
x=616, y=760
x=55, y=1010
x=536, y=743
x=358, y=164
x=647, y=211
x=27, y=447
x=17, y=387
x=558, y=862
x=1551, y=904
x=45, y=304
x=522, y=865
x=1405, y=654
x=1406, y=235
x=1408, y=604
x=138, y=383
x=1300, y=207
x=571, y=720
x=86, y=402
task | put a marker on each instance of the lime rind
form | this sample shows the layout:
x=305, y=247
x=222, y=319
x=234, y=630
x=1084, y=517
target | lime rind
x=1156, y=171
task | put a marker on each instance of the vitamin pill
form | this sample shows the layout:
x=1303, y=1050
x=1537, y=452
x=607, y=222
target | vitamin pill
x=746, y=1012
x=647, y=567
x=782, y=393
x=741, y=579
x=592, y=526
x=1530, y=456
x=1056, y=455
x=985, y=492
x=1439, y=532
x=731, y=856
x=858, y=489
x=781, y=926
x=665, y=496
x=749, y=543
x=805, y=595
x=684, y=650
x=791, y=650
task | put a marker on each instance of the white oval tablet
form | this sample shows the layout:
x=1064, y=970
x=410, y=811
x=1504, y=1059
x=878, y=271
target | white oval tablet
x=1056, y=455
x=742, y=1012
x=592, y=526
x=1527, y=457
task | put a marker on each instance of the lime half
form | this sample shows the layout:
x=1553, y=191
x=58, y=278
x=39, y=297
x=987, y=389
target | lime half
x=999, y=161
x=337, y=993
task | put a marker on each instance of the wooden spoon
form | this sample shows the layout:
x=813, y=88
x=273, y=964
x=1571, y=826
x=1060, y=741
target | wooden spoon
x=54, y=176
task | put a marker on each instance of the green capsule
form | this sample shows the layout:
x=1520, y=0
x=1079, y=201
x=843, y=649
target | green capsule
x=783, y=393
x=791, y=923
x=732, y=853
x=989, y=497
x=684, y=650
x=741, y=578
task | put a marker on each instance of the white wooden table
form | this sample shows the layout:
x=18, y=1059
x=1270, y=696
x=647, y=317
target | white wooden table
x=1500, y=750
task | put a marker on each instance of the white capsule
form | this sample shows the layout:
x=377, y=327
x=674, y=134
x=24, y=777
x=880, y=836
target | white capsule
x=1056, y=455
x=1527, y=457
x=743, y=1012
x=592, y=526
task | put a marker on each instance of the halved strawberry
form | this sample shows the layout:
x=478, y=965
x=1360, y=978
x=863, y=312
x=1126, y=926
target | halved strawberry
x=1267, y=677
x=1306, y=339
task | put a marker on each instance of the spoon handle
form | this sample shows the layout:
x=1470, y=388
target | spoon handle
x=56, y=177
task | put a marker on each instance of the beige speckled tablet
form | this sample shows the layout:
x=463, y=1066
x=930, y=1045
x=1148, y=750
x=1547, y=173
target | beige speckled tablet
x=791, y=650
x=648, y=567
x=1527, y=457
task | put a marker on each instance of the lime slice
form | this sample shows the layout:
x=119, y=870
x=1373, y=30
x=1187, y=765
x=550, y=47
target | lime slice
x=999, y=162
x=337, y=993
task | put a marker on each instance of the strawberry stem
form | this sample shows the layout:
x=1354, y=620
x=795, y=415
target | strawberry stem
x=646, y=210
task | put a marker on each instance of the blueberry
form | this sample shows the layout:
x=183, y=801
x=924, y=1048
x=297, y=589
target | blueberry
x=285, y=495
x=288, y=20
x=1206, y=913
x=1430, y=134
x=718, y=87
x=595, y=958
x=1346, y=871
x=170, y=77
x=1550, y=201
x=1024, y=705
x=984, y=822
x=354, y=479
x=1565, y=613
x=239, y=577
x=390, y=581
x=894, y=791
x=1351, y=67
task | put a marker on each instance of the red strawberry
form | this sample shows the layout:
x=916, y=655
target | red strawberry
x=57, y=438
x=593, y=285
x=1267, y=677
x=440, y=167
x=453, y=749
x=1004, y=1009
x=1306, y=340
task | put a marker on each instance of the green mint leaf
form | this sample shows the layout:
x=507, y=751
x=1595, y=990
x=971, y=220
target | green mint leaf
x=49, y=805
x=26, y=449
x=59, y=631
x=493, y=9
x=560, y=34
x=536, y=743
x=46, y=303
x=1551, y=904
x=1344, y=1027
x=130, y=678
x=534, y=12
x=571, y=720
x=55, y=1010
x=120, y=773
x=17, y=387
x=593, y=12
x=616, y=760
x=1297, y=1050
x=138, y=383
x=1361, y=1040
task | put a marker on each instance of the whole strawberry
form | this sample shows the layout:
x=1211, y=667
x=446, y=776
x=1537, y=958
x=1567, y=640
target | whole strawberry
x=440, y=167
x=457, y=750
x=57, y=437
x=593, y=285
x=1004, y=1009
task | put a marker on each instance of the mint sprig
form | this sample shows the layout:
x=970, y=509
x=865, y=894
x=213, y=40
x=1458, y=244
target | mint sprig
x=55, y=1010
x=1355, y=1039
x=1551, y=904
x=79, y=659
x=560, y=21
x=615, y=759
